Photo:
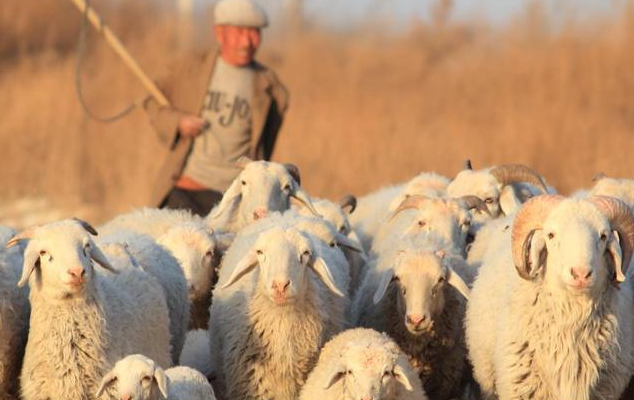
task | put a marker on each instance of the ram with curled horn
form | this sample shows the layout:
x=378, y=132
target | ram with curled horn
x=503, y=188
x=567, y=301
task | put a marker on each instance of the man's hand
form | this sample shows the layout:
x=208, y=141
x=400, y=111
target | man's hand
x=191, y=126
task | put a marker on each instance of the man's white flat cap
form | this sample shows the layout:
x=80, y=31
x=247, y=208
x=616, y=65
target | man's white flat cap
x=240, y=13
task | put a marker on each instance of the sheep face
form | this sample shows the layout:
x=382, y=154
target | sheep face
x=324, y=231
x=198, y=254
x=369, y=371
x=446, y=218
x=283, y=257
x=334, y=214
x=483, y=185
x=261, y=188
x=420, y=280
x=135, y=377
x=575, y=250
x=58, y=259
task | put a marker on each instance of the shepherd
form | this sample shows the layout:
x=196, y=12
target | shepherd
x=223, y=105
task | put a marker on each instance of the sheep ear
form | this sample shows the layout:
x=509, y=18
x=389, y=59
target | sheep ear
x=161, y=381
x=322, y=270
x=509, y=201
x=613, y=248
x=344, y=241
x=401, y=376
x=385, y=281
x=246, y=265
x=229, y=200
x=336, y=375
x=31, y=260
x=100, y=258
x=107, y=380
x=456, y=281
x=536, y=253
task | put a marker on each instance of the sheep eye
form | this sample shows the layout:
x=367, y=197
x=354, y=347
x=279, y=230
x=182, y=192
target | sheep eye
x=146, y=379
x=404, y=291
x=387, y=374
x=287, y=188
x=421, y=223
x=42, y=252
x=441, y=279
x=243, y=182
x=488, y=200
x=333, y=244
x=306, y=253
x=467, y=223
x=551, y=235
x=258, y=252
x=604, y=237
x=407, y=196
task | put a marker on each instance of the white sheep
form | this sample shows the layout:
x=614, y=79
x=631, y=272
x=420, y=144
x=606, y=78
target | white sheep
x=549, y=315
x=502, y=188
x=197, y=249
x=137, y=377
x=271, y=313
x=362, y=364
x=83, y=320
x=261, y=188
x=196, y=352
x=14, y=317
x=337, y=215
x=449, y=218
x=415, y=295
x=158, y=262
x=375, y=207
x=622, y=189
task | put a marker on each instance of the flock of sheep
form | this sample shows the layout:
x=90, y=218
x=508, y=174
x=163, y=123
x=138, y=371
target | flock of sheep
x=487, y=286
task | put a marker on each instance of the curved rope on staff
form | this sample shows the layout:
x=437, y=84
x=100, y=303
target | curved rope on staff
x=81, y=50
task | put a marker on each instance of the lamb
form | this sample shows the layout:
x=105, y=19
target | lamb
x=266, y=328
x=375, y=207
x=196, y=352
x=559, y=324
x=414, y=294
x=138, y=377
x=499, y=187
x=159, y=263
x=262, y=187
x=449, y=218
x=197, y=249
x=83, y=320
x=14, y=317
x=362, y=364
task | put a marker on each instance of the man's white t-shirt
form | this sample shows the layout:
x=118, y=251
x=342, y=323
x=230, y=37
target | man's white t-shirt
x=227, y=107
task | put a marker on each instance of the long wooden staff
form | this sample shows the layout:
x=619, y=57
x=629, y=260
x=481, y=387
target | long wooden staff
x=118, y=47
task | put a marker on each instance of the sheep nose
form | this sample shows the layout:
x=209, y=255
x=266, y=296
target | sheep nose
x=581, y=275
x=260, y=213
x=77, y=273
x=126, y=397
x=416, y=320
x=281, y=286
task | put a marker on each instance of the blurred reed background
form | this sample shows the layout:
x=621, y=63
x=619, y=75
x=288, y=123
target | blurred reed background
x=370, y=105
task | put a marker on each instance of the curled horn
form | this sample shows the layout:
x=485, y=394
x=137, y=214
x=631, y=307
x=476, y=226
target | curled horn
x=598, y=177
x=511, y=173
x=89, y=228
x=348, y=201
x=415, y=201
x=25, y=234
x=467, y=164
x=472, y=202
x=294, y=171
x=622, y=221
x=529, y=219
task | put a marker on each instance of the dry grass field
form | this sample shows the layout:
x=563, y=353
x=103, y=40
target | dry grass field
x=368, y=108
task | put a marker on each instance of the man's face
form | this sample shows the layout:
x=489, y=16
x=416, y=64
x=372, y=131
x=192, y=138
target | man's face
x=238, y=44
